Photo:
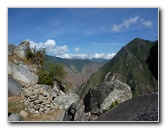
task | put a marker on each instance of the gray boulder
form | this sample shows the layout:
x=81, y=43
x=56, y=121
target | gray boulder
x=75, y=112
x=141, y=108
x=14, y=117
x=22, y=73
x=101, y=97
x=22, y=49
x=14, y=88
x=11, y=48
x=66, y=99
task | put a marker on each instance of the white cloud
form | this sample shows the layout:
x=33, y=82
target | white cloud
x=124, y=24
x=61, y=51
x=87, y=56
x=110, y=56
x=50, y=46
x=127, y=23
x=116, y=28
x=147, y=23
x=66, y=56
x=98, y=55
x=77, y=49
x=50, y=42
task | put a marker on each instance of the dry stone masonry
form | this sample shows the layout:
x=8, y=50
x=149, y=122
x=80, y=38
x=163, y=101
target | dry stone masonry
x=39, y=99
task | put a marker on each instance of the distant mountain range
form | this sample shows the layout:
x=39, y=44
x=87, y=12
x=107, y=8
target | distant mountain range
x=129, y=66
x=78, y=70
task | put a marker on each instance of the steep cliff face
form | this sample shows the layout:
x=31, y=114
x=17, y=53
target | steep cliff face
x=128, y=66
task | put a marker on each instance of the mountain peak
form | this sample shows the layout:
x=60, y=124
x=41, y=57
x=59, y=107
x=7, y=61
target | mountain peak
x=130, y=67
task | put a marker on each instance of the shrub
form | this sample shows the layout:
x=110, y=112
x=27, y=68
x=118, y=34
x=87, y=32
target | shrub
x=29, y=54
x=51, y=72
x=114, y=103
x=44, y=77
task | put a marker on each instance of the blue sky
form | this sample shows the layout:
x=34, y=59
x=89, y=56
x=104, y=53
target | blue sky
x=81, y=32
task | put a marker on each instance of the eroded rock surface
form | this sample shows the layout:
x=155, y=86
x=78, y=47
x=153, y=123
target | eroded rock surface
x=103, y=95
x=141, y=108
x=23, y=73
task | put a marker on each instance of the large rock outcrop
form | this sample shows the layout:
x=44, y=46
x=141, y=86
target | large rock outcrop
x=23, y=73
x=101, y=97
x=141, y=108
x=14, y=88
x=22, y=49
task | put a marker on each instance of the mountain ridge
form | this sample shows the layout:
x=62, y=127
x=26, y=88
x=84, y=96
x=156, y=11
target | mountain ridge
x=129, y=66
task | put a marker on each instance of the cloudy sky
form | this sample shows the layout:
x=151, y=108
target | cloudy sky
x=81, y=32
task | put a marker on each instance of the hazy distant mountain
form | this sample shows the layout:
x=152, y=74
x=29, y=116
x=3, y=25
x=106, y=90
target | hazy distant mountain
x=129, y=66
x=78, y=70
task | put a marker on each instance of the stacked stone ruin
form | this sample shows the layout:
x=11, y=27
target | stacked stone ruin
x=39, y=99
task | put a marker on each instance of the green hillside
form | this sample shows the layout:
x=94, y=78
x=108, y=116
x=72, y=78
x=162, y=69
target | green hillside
x=129, y=66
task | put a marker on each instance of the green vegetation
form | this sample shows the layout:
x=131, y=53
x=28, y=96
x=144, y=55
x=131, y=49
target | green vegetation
x=48, y=71
x=51, y=72
x=37, y=57
x=29, y=54
x=114, y=103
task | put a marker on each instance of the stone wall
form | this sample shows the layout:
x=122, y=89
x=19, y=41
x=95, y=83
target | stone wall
x=39, y=99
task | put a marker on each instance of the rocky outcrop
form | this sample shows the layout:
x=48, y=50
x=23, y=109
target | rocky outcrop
x=11, y=48
x=76, y=112
x=141, y=108
x=14, y=88
x=22, y=49
x=23, y=73
x=101, y=97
